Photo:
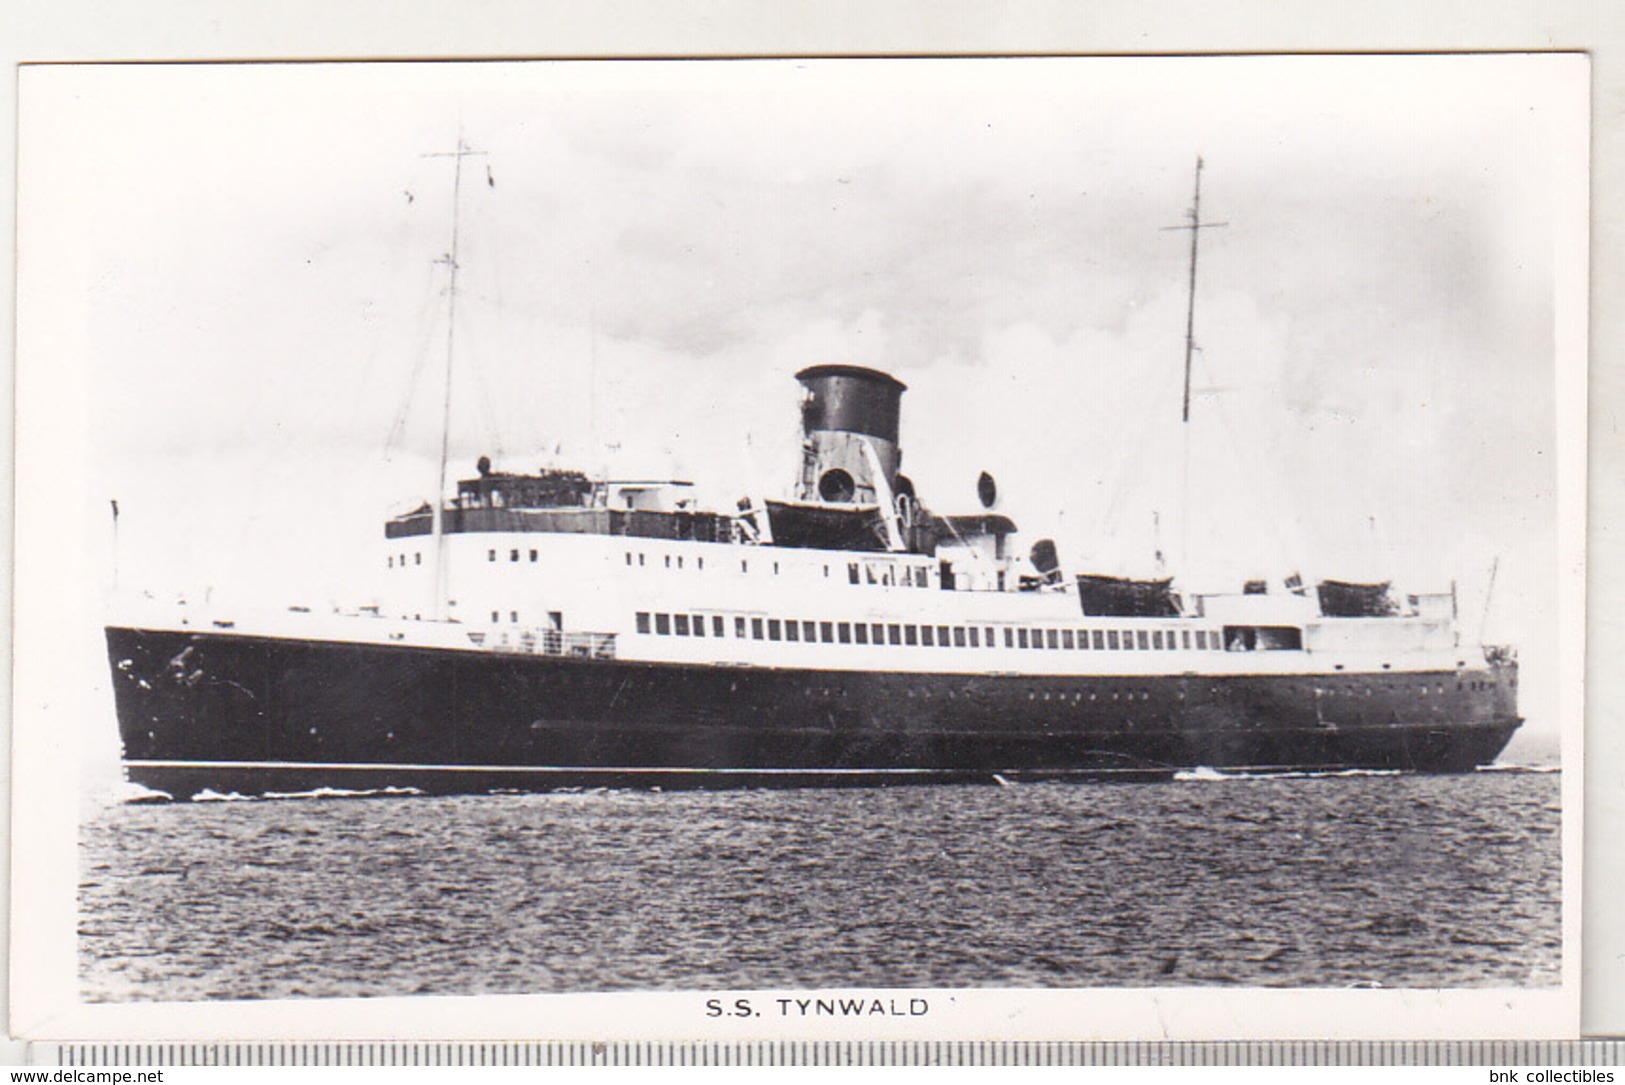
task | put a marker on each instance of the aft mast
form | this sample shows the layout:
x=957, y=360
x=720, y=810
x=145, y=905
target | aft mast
x=437, y=506
x=1195, y=225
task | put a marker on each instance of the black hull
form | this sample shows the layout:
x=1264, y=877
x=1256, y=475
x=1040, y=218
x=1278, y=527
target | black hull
x=224, y=713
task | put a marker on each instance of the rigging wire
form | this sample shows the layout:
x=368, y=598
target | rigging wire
x=1133, y=447
x=425, y=318
x=484, y=410
x=396, y=249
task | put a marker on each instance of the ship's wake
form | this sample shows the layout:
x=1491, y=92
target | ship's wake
x=1204, y=773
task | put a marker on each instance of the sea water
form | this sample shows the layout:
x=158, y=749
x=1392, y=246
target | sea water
x=1323, y=881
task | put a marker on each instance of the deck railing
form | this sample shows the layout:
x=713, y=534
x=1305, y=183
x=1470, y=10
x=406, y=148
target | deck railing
x=548, y=642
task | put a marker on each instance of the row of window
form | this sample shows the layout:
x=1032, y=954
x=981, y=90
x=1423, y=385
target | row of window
x=925, y=636
x=490, y=555
x=887, y=574
x=884, y=574
x=699, y=562
x=513, y=555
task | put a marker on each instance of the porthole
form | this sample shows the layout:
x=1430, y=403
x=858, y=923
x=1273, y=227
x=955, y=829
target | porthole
x=836, y=485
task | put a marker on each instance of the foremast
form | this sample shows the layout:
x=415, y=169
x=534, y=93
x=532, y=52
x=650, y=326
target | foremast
x=437, y=506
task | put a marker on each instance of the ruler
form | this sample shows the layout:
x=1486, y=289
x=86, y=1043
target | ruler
x=1543, y=1053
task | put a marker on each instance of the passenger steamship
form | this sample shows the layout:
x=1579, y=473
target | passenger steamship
x=589, y=632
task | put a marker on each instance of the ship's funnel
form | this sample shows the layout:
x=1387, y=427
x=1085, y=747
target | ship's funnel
x=849, y=422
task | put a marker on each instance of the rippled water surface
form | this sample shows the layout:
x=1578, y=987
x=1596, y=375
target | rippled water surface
x=1312, y=881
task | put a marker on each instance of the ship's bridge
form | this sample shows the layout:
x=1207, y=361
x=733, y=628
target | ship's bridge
x=568, y=502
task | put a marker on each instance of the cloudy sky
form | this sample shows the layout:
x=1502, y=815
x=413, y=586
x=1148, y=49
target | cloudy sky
x=240, y=264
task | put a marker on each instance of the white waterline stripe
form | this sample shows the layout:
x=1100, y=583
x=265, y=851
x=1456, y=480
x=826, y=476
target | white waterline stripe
x=386, y=766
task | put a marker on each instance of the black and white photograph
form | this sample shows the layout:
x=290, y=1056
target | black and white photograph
x=827, y=544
